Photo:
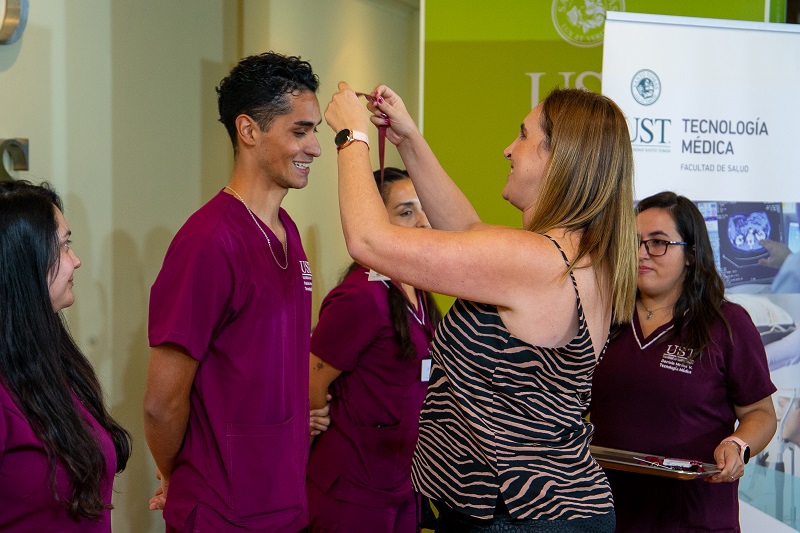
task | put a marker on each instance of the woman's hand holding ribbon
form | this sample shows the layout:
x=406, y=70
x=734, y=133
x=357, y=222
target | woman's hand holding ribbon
x=388, y=109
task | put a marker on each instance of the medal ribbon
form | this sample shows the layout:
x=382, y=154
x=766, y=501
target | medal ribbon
x=381, y=134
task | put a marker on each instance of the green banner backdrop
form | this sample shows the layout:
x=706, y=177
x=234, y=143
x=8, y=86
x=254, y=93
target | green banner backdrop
x=486, y=64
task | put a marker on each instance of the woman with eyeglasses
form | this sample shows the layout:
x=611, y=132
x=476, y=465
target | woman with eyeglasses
x=678, y=379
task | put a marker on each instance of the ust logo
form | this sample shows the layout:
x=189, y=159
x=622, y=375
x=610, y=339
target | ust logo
x=646, y=130
x=678, y=351
x=645, y=87
x=580, y=82
x=581, y=22
x=677, y=359
x=305, y=271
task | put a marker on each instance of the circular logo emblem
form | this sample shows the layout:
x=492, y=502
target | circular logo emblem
x=581, y=22
x=645, y=87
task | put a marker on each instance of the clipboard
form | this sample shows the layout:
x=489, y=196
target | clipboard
x=652, y=465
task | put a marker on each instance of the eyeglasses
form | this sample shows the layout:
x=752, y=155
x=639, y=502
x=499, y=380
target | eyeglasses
x=656, y=247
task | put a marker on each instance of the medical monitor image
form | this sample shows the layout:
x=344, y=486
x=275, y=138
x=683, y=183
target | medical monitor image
x=735, y=229
x=793, y=239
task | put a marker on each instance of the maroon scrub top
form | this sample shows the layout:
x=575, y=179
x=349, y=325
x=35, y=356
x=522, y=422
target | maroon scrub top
x=223, y=297
x=365, y=456
x=26, y=502
x=648, y=397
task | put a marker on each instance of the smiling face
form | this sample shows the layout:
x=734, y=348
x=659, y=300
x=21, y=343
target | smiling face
x=59, y=278
x=403, y=205
x=289, y=145
x=660, y=276
x=529, y=159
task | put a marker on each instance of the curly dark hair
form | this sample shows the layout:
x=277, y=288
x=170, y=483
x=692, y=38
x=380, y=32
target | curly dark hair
x=40, y=364
x=257, y=86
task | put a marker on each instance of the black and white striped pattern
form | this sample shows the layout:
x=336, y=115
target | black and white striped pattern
x=504, y=416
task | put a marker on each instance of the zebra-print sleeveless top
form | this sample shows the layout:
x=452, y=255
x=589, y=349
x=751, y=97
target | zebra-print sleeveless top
x=502, y=416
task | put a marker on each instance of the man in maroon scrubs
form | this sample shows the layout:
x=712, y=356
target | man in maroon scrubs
x=226, y=403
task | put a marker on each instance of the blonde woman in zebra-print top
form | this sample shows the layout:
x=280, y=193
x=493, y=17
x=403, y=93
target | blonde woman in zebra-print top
x=502, y=440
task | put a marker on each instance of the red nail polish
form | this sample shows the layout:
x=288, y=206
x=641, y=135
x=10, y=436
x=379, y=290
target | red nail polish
x=386, y=121
x=380, y=99
x=384, y=115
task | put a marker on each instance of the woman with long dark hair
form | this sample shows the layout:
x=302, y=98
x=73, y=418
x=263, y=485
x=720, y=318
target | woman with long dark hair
x=59, y=446
x=371, y=348
x=687, y=378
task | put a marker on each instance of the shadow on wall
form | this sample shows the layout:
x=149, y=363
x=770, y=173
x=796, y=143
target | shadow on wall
x=91, y=293
x=215, y=171
x=115, y=342
x=311, y=244
x=133, y=269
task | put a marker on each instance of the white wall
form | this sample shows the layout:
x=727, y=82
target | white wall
x=117, y=98
x=363, y=42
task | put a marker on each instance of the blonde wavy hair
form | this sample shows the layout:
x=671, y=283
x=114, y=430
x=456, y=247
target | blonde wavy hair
x=588, y=187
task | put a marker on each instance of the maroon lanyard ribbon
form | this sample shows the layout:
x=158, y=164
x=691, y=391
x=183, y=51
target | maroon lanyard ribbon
x=381, y=134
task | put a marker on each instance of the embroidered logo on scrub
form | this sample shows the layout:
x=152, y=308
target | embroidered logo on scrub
x=677, y=358
x=305, y=271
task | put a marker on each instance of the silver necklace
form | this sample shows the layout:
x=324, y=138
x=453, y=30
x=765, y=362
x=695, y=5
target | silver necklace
x=651, y=311
x=264, y=233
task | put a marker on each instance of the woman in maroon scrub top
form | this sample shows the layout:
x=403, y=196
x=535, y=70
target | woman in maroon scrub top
x=678, y=378
x=371, y=347
x=59, y=447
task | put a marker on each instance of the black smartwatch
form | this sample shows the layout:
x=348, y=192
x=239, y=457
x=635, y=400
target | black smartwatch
x=346, y=137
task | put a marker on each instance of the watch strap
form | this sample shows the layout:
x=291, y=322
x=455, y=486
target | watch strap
x=359, y=136
x=744, y=448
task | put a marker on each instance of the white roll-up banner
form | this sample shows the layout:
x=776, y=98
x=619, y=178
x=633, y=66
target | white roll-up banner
x=713, y=108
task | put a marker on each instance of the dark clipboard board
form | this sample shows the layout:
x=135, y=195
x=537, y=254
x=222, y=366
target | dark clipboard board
x=614, y=459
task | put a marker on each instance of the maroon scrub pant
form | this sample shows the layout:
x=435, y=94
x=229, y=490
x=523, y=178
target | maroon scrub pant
x=329, y=515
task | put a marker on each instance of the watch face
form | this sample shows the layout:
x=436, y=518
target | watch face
x=342, y=137
x=746, y=454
